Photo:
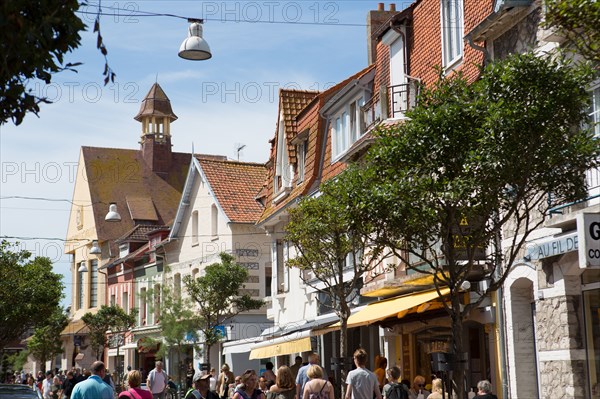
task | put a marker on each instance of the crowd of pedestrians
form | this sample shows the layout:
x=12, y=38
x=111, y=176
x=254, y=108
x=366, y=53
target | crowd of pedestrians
x=298, y=381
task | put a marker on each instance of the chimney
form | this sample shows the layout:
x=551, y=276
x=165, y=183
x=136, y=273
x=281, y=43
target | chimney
x=375, y=19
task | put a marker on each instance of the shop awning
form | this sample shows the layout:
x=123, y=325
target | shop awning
x=239, y=346
x=281, y=348
x=397, y=307
x=75, y=327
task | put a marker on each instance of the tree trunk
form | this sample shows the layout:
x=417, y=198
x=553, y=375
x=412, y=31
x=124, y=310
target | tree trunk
x=458, y=376
x=207, y=355
x=344, y=354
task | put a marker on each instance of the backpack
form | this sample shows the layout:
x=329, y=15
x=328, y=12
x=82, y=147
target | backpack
x=320, y=394
x=397, y=391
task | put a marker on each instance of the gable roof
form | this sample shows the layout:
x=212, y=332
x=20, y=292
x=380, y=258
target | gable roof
x=116, y=175
x=235, y=185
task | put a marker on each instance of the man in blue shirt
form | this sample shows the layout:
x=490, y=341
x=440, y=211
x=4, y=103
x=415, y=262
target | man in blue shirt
x=302, y=378
x=93, y=387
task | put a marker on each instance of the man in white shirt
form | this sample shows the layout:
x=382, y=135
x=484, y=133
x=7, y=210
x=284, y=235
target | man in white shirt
x=157, y=381
x=47, y=385
x=362, y=383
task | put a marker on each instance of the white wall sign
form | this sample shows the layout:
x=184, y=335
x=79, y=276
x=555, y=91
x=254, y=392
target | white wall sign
x=588, y=228
x=556, y=246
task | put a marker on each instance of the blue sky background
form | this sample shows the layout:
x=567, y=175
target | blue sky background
x=228, y=100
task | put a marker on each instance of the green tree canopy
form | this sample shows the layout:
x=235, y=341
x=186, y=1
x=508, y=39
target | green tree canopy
x=179, y=324
x=218, y=297
x=108, y=318
x=35, y=35
x=475, y=160
x=332, y=238
x=29, y=292
x=578, y=22
x=45, y=343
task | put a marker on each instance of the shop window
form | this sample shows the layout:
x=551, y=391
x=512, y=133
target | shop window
x=592, y=335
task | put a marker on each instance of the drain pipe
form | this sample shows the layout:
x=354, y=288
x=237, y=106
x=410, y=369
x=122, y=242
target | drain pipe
x=501, y=320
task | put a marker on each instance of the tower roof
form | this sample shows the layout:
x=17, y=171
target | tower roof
x=156, y=103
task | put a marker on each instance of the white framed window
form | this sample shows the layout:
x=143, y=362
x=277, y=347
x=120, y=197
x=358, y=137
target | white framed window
x=125, y=302
x=214, y=220
x=195, y=228
x=594, y=112
x=347, y=127
x=301, y=156
x=283, y=172
x=452, y=13
x=280, y=254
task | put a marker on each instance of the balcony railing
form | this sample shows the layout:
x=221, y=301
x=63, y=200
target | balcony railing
x=592, y=178
x=403, y=97
x=371, y=112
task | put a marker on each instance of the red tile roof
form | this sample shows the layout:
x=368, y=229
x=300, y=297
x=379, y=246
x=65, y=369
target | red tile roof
x=114, y=174
x=291, y=102
x=235, y=186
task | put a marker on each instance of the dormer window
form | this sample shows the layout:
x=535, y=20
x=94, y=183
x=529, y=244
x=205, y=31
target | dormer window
x=283, y=172
x=348, y=126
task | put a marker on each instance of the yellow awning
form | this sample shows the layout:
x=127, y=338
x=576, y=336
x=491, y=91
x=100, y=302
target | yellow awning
x=282, y=348
x=390, y=307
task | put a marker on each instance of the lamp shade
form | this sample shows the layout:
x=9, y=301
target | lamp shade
x=195, y=47
x=95, y=250
x=112, y=215
x=82, y=268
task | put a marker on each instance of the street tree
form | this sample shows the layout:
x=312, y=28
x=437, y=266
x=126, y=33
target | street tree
x=109, y=319
x=29, y=292
x=333, y=240
x=472, y=161
x=578, y=22
x=45, y=343
x=35, y=37
x=219, y=295
x=179, y=325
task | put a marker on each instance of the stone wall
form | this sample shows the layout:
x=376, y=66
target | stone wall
x=562, y=379
x=559, y=324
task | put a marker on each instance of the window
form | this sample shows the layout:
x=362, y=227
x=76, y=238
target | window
x=283, y=178
x=194, y=227
x=94, y=283
x=214, y=220
x=348, y=126
x=113, y=300
x=156, y=303
x=452, y=31
x=594, y=112
x=301, y=155
x=591, y=311
x=280, y=255
x=125, y=301
x=268, y=278
x=177, y=285
x=80, y=287
x=143, y=307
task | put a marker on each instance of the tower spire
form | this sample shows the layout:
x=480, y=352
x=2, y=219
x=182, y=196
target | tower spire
x=156, y=116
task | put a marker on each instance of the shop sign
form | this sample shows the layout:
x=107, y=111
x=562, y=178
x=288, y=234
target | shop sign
x=556, y=246
x=588, y=227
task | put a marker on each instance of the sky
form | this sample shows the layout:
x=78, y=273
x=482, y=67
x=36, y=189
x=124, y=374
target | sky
x=223, y=103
